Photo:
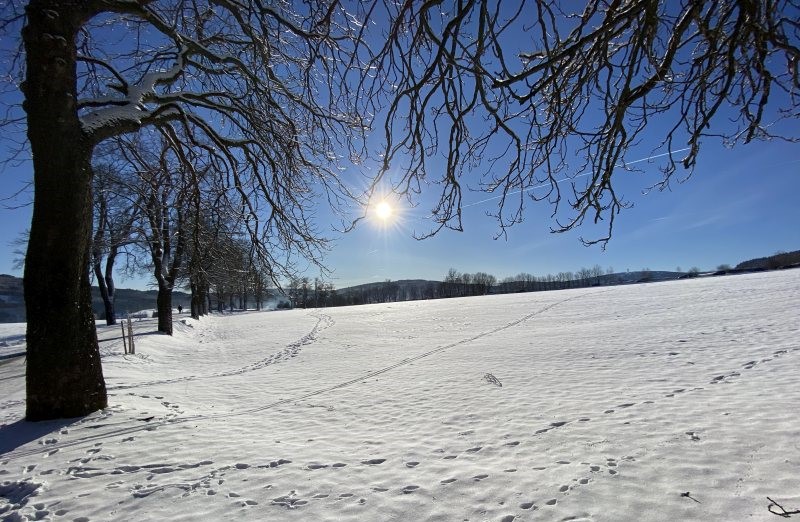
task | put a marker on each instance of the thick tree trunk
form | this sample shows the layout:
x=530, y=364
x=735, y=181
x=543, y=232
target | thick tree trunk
x=111, y=289
x=64, y=377
x=164, y=306
x=106, y=294
x=196, y=300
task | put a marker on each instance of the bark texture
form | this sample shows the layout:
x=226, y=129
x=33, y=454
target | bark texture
x=164, y=306
x=64, y=377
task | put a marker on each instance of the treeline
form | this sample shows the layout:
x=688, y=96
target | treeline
x=525, y=282
x=159, y=211
x=306, y=293
x=778, y=260
x=456, y=284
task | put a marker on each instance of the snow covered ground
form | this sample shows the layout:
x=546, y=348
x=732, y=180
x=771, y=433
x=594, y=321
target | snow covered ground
x=12, y=338
x=669, y=401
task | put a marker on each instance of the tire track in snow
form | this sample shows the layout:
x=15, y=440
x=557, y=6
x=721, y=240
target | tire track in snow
x=194, y=418
x=324, y=322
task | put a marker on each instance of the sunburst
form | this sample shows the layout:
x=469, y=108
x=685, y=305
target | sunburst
x=384, y=211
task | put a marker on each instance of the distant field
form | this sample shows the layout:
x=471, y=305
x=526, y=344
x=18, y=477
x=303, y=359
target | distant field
x=673, y=401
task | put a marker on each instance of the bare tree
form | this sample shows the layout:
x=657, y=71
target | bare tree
x=164, y=187
x=257, y=88
x=115, y=212
x=597, y=273
x=483, y=282
x=520, y=96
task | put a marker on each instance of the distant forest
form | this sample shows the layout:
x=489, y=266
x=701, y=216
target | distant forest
x=779, y=260
x=310, y=293
x=305, y=293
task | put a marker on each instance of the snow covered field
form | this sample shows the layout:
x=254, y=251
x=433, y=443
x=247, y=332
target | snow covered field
x=669, y=401
x=12, y=338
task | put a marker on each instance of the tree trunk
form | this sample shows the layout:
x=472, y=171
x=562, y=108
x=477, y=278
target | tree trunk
x=164, y=306
x=111, y=289
x=196, y=301
x=106, y=293
x=64, y=377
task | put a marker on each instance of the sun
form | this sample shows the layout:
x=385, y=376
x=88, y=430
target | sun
x=384, y=211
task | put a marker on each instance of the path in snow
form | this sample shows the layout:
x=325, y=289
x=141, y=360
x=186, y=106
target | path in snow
x=648, y=402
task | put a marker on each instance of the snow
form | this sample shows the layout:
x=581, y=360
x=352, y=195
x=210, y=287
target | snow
x=669, y=401
x=12, y=339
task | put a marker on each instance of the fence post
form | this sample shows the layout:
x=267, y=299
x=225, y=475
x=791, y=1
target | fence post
x=130, y=336
x=124, y=341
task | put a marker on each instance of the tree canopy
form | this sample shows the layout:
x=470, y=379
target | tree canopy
x=567, y=92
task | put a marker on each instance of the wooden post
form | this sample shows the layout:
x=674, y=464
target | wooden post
x=124, y=341
x=130, y=336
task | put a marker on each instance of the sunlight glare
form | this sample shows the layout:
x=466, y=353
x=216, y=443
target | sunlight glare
x=383, y=210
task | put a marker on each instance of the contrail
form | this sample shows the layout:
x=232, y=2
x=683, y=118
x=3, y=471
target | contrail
x=569, y=179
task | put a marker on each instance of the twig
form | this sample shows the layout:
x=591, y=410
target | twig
x=491, y=379
x=783, y=513
x=688, y=494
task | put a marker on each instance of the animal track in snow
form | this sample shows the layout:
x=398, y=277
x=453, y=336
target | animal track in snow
x=289, y=501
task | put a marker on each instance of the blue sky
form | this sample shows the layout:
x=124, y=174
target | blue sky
x=740, y=203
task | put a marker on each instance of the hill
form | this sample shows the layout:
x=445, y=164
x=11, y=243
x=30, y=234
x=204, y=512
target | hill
x=779, y=260
x=385, y=291
x=12, y=300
